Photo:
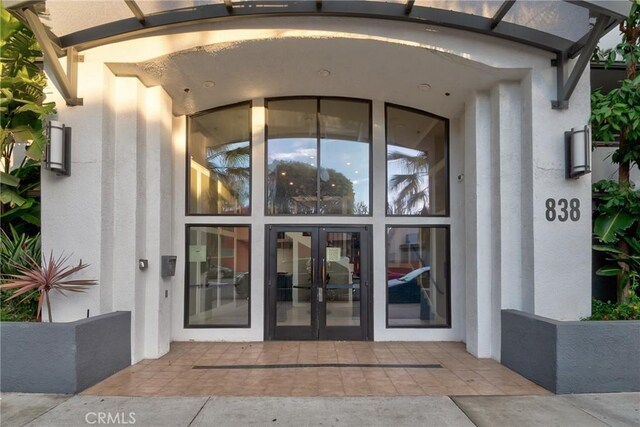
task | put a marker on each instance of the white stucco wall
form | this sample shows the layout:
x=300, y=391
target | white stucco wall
x=125, y=198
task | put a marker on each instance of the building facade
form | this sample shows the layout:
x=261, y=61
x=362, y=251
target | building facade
x=325, y=174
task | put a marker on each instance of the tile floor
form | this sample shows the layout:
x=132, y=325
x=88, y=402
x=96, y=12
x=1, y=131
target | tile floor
x=172, y=374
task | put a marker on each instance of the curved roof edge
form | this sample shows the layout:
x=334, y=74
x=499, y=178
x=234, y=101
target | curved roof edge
x=140, y=25
x=603, y=16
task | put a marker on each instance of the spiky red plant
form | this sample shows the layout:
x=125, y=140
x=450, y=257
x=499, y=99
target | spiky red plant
x=51, y=276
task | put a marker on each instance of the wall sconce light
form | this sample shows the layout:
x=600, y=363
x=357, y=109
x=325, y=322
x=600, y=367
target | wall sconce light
x=577, y=145
x=58, y=151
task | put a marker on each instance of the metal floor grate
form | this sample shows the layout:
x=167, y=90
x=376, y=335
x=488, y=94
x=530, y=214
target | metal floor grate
x=320, y=365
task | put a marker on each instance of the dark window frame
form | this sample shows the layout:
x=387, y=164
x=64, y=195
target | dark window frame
x=447, y=228
x=447, y=140
x=188, y=165
x=318, y=138
x=186, y=281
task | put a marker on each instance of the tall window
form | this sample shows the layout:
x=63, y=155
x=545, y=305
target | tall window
x=219, y=161
x=218, y=282
x=418, y=277
x=417, y=175
x=318, y=157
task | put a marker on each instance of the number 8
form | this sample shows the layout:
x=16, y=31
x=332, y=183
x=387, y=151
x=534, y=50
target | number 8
x=550, y=213
x=574, y=212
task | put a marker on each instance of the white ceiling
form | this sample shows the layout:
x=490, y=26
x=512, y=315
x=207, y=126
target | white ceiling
x=366, y=69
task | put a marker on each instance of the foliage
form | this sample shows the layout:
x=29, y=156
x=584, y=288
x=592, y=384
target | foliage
x=25, y=218
x=616, y=115
x=14, y=250
x=617, y=211
x=617, y=228
x=412, y=195
x=293, y=187
x=230, y=165
x=22, y=112
x=53, y=275
x=625, y=264
x=628, y=310
x=628, y=50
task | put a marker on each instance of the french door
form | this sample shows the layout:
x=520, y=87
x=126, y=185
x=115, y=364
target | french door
x=318, y=283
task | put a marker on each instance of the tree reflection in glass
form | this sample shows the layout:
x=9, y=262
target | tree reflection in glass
x=408, y=181
x=219, y=154
x=292, y=189
x=416, y=163
x=229, y=166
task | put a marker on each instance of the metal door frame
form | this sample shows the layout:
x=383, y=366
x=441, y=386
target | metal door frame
x=318, y=329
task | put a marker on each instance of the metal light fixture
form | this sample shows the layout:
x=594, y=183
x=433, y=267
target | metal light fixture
x=58, y=151
x=577, y=145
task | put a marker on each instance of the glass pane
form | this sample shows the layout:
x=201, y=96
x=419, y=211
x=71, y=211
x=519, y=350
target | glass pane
x=293, y=293
x=292, y=157
x=416, y=163
x=344, y=157
x=218, y=275
x=558, y=18
x=342, y=257
x=220, y=162
x=482, y=8
x=417, y=276
x=149, y=7
x=66, y=17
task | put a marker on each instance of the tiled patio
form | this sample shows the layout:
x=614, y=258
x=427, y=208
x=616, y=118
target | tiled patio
x=173, y=375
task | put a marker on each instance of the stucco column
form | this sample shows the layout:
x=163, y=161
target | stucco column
x=70, y=224
x=478, y=220
x=561, y=245
x=157, y=221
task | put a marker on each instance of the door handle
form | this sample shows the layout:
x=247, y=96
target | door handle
x=322, y=281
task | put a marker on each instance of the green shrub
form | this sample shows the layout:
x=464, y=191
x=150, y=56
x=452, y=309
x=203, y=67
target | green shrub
x=628, y=310
x=15, y=250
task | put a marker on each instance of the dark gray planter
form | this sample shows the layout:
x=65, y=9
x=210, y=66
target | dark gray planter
x=572, y=357
x=63, y=357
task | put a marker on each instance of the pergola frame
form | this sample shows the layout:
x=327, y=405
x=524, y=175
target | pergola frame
x=607, y=14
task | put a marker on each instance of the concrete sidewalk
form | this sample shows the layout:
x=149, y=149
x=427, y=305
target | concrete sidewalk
x=621, y=409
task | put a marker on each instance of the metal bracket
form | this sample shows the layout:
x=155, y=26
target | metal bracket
x=408, y=7
x=502, y=11
x=137, y=12
x=566, y=87
x=67, y=82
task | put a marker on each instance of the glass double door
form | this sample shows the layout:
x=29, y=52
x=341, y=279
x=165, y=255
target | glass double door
x=318, y=284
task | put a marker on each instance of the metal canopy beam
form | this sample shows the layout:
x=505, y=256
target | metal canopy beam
x=492, y=26
x=135, y=9
x=66, y=84
x=502, y=11
x=566, y=88
x=128, y=28
x=574, y=50
x=408, y=7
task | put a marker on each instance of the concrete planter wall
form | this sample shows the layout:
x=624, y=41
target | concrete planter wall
x=63, y=357
x=572, y=357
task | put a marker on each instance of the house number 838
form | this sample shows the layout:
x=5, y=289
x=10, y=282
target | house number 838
x=562, y=210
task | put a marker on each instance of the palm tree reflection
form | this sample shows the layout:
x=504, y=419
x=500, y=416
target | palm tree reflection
x=229, y=165
x=409, y=190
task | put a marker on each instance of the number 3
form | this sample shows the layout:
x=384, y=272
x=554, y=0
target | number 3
x=563, y=204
